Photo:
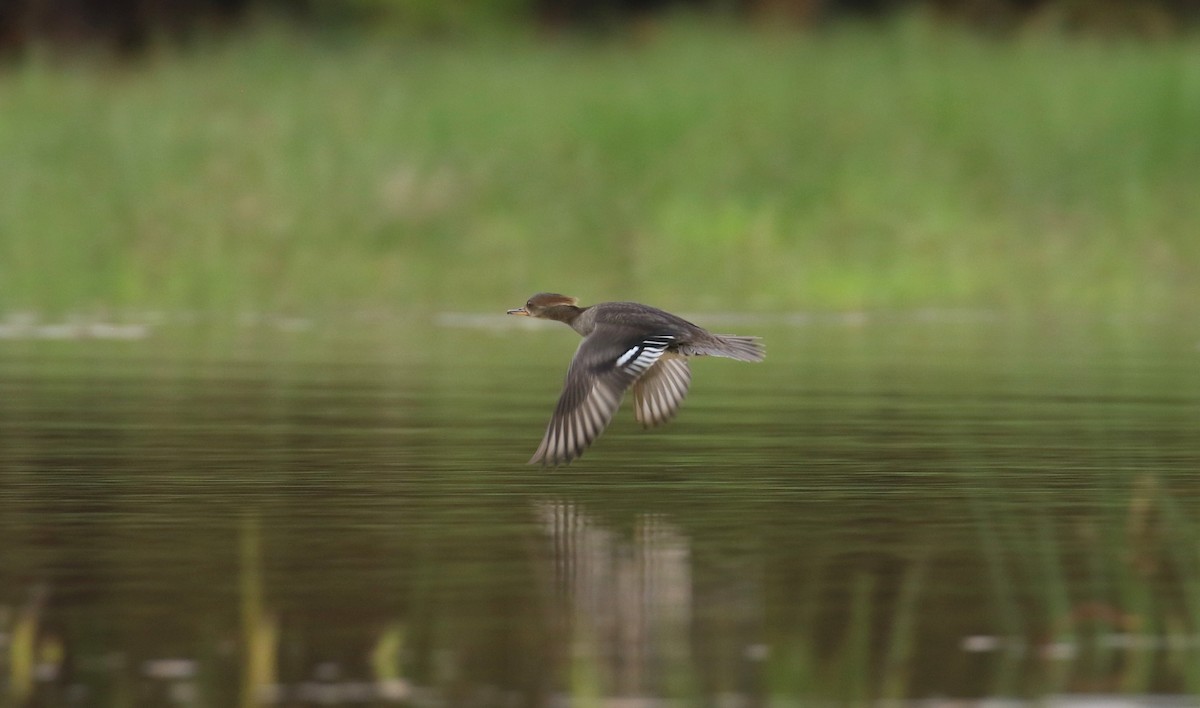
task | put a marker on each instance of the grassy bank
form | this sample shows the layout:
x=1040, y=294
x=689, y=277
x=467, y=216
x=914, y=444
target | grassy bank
x=896, y=167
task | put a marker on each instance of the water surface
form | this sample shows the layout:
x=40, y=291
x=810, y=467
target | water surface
x=895, y=507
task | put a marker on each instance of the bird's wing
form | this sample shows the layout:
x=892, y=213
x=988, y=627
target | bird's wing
x=608, y=362
x=658, y=394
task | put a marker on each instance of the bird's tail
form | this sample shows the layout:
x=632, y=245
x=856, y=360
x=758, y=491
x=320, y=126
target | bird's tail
x=731, y=346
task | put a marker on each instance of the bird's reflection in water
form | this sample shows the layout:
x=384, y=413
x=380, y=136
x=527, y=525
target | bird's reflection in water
x=627, y=599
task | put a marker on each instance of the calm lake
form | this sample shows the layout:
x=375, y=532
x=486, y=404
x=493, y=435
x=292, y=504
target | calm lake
x=910, y=507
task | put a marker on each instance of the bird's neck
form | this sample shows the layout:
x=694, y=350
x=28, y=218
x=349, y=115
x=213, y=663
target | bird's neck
x=563, y=313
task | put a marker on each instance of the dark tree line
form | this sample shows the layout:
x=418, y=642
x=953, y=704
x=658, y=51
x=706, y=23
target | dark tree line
x=129, y=25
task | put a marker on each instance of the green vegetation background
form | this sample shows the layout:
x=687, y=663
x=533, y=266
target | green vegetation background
x=694, y=164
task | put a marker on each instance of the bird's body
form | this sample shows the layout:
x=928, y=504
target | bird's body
x=625, y=344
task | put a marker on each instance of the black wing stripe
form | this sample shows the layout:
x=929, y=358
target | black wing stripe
x=641, y=356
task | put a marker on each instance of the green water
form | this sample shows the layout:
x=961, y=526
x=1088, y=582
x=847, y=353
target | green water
x=902, y=507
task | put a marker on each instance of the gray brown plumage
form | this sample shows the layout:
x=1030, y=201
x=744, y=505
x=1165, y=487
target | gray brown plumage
x=625, y=345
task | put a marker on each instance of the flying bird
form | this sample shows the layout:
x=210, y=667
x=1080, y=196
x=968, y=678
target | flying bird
x=625, y=344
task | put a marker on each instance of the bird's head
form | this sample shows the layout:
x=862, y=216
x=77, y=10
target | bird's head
x=547, y=306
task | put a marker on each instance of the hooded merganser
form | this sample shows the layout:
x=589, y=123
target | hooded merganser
x=624, y=344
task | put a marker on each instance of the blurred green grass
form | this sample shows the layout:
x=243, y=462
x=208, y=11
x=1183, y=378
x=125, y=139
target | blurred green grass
x=695, y=165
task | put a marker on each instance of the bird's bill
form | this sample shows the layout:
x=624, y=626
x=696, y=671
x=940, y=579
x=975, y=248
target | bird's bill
x=519, y=311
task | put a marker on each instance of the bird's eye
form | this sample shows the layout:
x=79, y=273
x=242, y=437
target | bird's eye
x=529, y=304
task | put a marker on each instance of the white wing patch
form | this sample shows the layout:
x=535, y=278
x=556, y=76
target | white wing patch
x=642, y=355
